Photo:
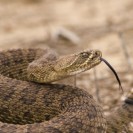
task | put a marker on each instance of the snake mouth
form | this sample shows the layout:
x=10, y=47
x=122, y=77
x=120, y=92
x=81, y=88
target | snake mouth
x=113, y=70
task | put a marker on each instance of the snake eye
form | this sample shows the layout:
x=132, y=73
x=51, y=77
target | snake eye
x=84, y=54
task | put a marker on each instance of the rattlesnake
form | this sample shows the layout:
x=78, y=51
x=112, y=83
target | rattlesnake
x=42, y=107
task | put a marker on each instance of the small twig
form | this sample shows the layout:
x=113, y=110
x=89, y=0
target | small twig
x=65, y=34
x=96, y=85
x=75, y=81
x=128, y=58
x=125, y=51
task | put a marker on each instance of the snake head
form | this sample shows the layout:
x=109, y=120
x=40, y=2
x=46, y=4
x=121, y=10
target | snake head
x=49, y=71
x=76, y=63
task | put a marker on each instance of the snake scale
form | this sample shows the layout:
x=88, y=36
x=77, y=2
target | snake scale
x=29, y=103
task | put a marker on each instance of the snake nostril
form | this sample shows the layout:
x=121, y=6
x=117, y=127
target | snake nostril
x=97, y=53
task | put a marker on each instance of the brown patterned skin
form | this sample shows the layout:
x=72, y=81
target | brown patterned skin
x=48, y=68
x=119, y=119
x=27, y=107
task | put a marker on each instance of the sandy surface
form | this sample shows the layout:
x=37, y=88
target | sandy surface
x=71, y=26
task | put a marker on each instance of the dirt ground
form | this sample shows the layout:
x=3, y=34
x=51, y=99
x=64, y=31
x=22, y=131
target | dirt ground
x=69, y=26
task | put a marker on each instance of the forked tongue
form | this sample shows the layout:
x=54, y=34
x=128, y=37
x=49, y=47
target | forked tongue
x=113, y=70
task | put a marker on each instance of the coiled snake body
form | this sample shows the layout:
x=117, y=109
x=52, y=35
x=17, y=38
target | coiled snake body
x=42, y=107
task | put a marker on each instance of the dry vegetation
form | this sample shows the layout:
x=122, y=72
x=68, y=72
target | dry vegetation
x=74, y=25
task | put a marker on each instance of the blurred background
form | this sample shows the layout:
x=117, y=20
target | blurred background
x=69, y=26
